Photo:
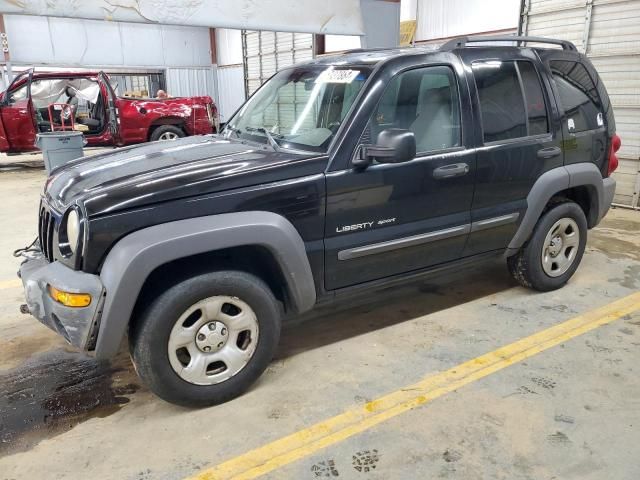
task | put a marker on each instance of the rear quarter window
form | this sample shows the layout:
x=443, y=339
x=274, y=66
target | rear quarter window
x=578, y=96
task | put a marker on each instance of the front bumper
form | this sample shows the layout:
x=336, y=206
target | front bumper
x=78, y=325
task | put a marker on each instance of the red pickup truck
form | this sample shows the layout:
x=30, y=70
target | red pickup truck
x=86, y=101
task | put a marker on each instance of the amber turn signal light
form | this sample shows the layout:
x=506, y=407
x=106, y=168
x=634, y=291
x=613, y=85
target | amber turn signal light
x=70, y=299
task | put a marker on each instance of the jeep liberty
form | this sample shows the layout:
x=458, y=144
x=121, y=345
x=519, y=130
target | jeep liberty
x=338, y=176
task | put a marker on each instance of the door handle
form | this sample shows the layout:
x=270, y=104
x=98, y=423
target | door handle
x=549, y=152
x=452, y=170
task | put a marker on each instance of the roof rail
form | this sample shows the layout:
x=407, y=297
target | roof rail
x=462, y=42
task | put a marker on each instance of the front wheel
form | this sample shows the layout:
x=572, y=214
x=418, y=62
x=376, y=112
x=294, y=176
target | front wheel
x=553, y=253
x=206, y=340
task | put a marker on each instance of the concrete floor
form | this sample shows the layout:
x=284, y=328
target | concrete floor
x=572, y=412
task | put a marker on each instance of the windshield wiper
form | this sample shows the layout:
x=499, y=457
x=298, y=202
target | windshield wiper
x=268, y=134
x=237, y=131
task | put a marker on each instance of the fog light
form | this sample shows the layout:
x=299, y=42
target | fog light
x=70, y=299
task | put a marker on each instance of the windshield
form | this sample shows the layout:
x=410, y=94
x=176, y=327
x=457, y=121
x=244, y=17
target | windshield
x=300, y=108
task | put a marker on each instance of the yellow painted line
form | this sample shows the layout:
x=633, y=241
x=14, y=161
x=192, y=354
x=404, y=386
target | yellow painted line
x=305, y=442
x=5, y=284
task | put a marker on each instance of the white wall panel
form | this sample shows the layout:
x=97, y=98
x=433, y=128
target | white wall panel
x=185, y=46
x=103, y=45
x=24, y=45
x=230, y=90
x=142, y=44
x=449, y=18
x=328, y=16
x=188, y=82
x=408, y=10
x=339, y=43
x=381, y=24
x=229, y=44
x=82, y=43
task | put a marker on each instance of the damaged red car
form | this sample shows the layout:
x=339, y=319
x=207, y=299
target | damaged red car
x=86, y=101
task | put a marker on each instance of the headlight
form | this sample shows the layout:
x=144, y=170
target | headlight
x=73, y=230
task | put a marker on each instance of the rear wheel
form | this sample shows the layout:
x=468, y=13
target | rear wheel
x=555, y=249
x=206, y=340
x=167, y=132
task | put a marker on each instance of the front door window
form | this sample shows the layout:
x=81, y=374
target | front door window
x=424, y=101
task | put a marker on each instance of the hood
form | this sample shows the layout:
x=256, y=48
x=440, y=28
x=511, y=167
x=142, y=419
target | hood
x=135, y=176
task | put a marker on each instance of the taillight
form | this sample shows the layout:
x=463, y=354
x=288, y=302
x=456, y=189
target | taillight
x=613, y=158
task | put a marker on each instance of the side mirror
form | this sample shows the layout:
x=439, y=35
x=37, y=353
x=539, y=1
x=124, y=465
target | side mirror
x=394, y=145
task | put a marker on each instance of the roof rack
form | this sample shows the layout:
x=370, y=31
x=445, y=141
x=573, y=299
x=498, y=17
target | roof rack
x=462, y=42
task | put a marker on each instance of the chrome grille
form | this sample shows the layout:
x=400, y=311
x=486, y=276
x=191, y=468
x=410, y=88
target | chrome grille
x=46, y=228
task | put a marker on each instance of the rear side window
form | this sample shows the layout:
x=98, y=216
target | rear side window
x=511, y=100
x=501, y=102
x=536, y=110
x=578, y=96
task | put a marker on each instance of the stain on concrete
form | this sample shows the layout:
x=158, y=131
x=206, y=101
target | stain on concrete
x=598, y=348
x=365, y=461
x=361, y=399
x=325, y=469
x=17, y=350
x=544, y=382
x=564, y=418
x=524, y=390
x=558, y=308
x=278, y=413
x=558, y=438
x=616, y=237
x=631, y=277
x=451, y=456
x=54, y=392
x=492, y=419
x=506, y=309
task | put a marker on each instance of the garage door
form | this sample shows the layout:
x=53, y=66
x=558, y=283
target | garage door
x=609, y=32
x=264, y=53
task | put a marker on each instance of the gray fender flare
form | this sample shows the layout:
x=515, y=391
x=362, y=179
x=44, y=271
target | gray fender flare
x=134, y=257
x=554, y=181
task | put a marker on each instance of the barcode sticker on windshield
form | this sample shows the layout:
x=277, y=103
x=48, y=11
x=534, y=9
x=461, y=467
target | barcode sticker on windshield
x=337, y=76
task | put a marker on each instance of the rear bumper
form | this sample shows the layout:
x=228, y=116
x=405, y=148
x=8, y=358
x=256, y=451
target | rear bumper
x=608, y=191
x=79, y=326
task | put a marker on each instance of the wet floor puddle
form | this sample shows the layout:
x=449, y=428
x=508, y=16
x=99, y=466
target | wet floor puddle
x=55, y=391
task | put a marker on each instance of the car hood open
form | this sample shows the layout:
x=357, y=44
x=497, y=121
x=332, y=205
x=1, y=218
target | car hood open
x=160, y=171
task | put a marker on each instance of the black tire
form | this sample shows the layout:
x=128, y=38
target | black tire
x=158, y=132
x=149, y=337
x=527, y=265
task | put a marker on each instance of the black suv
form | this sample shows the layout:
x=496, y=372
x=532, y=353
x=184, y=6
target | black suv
x=338, y=176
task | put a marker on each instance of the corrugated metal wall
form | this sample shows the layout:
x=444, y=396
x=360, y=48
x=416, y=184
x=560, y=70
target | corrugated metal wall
x=264, y=53
x=608, y=31
x=231, y=88
x=188, y=82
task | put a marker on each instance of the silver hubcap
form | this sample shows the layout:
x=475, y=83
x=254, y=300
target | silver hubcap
x=560, y=247
x=168, y=136
x=213, y=340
